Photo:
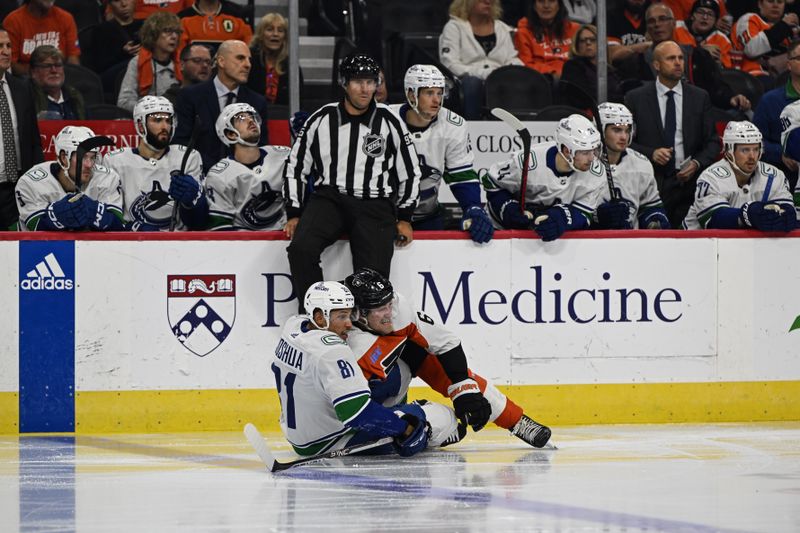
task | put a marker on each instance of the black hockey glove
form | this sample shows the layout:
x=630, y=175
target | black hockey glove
x=469, y=404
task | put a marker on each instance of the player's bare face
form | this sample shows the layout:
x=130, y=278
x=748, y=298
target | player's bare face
x=360, y=92
x=247, y=126
x=89, y=159
x=617, y=137
x=582, y=159
x=273, y=37
x=159, y=130
x=746, y=157
x=340, y=322
x=5, y=51
x=379, y=319
x=429, y=102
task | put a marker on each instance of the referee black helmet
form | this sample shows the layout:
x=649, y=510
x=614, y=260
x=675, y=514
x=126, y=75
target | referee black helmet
x=358, y=66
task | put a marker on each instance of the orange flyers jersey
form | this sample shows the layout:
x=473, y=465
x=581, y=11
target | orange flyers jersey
x=214, y=29
x=548, y=55
x=682, y=35
x=749, y=43
x=144, y=8
x=26, y=32
x=377, y=353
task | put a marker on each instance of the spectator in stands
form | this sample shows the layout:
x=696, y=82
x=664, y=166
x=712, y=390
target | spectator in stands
x=767, y=114
x=545, y=36
x=205, y=100
x=38, y=22
x=154, y=69
x=212, y=21
x=626, y=31
x=20, y=147
x=52, y=98
x=145, y=8
x=270, y=50
x=700, y=30
x=683, y=141
x=581, y=11
x=760, y=40
x=683, y=9
x=116, y=41
x=474, y=42
x=700, y=68
x=195, y=66
x=581, y=68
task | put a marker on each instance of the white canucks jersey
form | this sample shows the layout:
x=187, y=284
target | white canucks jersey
x=545, y=188
x=444, y=152
x=636, y=183
x=248, y=197
x=717, y=187
x=39, y=187
x=790, y=121
x=316, y=376
x=145, y=183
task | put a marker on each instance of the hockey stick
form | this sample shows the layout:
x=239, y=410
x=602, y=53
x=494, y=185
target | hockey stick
x=515, y=124
x=273, y=465
x=173, y=219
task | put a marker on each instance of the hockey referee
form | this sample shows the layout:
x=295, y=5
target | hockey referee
x=365, y=179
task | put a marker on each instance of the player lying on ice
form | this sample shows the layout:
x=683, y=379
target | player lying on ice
x=394, y=343
x=325, y=399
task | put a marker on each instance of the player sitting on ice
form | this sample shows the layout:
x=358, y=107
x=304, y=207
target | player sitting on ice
x=244, y=189
x=325, y=399
x=394, y=343
x=639, y=205
x=68, y=194
x=565, y=180
x=442, y=142
x=740, y=191
x=151, y=173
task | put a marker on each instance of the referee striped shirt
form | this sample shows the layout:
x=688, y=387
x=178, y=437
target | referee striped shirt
x=365, y=156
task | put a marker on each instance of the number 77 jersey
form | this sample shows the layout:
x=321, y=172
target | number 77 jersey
x=320, y=386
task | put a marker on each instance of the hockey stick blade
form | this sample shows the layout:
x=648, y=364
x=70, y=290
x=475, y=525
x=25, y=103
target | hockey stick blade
x=515, y=124
x=273, y=465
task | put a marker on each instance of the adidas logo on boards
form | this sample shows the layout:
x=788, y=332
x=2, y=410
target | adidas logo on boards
x=48, y=275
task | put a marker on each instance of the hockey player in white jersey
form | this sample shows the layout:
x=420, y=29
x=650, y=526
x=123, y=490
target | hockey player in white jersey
x=150, y=173
x=740, y=191
x=244, y=189
x=393, y=343
x=565, y=182
x=790, y=141
x=325, y=399
x=640, y=205
x=68, y=194
x=441, y=139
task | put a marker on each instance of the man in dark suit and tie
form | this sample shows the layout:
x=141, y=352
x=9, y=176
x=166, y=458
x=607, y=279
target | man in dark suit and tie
x=674, y=129
x=205, y=100
x=20, y=147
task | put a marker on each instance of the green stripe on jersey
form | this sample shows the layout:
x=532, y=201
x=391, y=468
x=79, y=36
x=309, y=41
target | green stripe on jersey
x=318, y=447
x=459, y=177
x=350, y=407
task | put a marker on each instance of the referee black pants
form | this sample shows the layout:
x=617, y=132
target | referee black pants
x=371, y=225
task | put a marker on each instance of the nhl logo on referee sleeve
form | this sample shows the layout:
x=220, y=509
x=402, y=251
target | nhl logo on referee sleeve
x=201, y=310
x=374, y=145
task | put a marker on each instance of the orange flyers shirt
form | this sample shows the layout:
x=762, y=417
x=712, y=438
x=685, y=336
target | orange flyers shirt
x=27, y=32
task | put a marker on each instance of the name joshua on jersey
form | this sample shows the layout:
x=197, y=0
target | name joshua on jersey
x=290, y=355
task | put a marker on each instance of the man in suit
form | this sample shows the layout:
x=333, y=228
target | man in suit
x=205, y=100
x=20, y=147
x=683, y=141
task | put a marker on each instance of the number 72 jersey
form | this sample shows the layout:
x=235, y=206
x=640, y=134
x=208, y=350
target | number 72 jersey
x=320, y=386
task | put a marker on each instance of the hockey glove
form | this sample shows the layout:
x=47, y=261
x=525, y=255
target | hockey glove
x=66, y=214
x=185, y=189
x=297, y=122
x=654, y=218
x=764, y=216
x=141, y=226
x=477, y=222
x=469, y=404
x=382, y=389
x=613, y=215
x=418, y=439
x=553, y=223
x=100, y=217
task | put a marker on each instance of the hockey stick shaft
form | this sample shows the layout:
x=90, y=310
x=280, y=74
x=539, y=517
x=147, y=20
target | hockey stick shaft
x=273, y=465
x=173, y=219
x=88, y=145
x=515, y=124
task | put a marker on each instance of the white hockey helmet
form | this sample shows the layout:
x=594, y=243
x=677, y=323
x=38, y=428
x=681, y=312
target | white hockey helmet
x=743, y=132
x=68, y=140
x=420, y=76
x=147, y=105
x=616, y=114
x=327, y=296
x=225, y=123
x=577, y=133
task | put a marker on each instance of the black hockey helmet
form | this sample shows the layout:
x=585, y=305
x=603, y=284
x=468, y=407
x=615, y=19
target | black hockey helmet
x=358, y=66
x=370, y=288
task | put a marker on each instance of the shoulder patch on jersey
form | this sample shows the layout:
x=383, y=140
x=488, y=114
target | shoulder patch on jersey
x=637, y=154
x=767, y=169
x=37, y=174
x=101, y=168
x=115, y=151
x=719, y=171
x=597, y=168
x=532, y=162
x=221, y=165
x=331, y=340
x=455, y=119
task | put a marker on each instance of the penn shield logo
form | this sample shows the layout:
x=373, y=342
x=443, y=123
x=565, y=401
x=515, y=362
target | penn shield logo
x=47, y=275
x=201, y=310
